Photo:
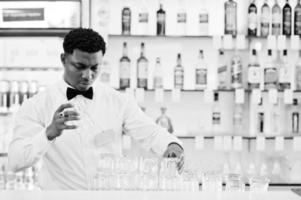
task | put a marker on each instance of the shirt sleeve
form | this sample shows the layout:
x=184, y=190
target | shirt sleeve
x=29, y=142
x=144, y=130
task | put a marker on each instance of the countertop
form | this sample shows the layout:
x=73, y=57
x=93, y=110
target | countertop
x=140, y=195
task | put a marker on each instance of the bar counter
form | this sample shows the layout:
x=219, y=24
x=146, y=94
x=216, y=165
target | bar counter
x=140, y=195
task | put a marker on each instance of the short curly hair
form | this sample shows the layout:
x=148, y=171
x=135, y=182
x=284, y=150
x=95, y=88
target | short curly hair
x=84, y=39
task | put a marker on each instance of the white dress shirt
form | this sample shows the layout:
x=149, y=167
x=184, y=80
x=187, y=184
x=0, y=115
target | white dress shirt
x=70, y=160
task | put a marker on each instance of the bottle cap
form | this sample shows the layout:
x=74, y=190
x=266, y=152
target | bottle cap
x=14, y=86
x=4, y=87
x=33, y=87
x=24, y=87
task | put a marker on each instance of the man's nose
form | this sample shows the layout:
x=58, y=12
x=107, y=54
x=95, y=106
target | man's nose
x=87, y=74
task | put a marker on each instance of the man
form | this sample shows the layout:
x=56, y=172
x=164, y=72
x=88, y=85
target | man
x=74, y=120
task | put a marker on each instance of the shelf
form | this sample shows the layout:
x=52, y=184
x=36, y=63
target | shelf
x=243, y=137
x=30, y=68
x=28, y=32
x=159, y=36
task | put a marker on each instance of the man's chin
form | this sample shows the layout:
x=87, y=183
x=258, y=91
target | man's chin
x=83, y=87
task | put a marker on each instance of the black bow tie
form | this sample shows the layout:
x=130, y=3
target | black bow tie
x=71, y=93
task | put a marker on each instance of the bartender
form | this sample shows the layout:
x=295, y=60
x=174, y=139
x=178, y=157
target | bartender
x=74, y=120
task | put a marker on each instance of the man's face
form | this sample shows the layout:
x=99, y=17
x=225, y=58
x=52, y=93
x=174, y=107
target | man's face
x=81, y=68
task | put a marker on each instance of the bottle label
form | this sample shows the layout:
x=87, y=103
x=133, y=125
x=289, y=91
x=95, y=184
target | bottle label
x=126, y=22
x=179, y=78
x=252, y=18
x=254, y=74
x=142, y=70
x=124, y=70
x=270, y=76
x=230, y=18
x=158, y=82
x=203, y=18
x=161, y=18
x=295, y=122
x=143, y=17
x=287, y=21
x=298, y=77
x=298, y=22
x=236, y=72
x=181, y=17
x=201, y=76
x=284, y=75
x=222, y=77
x=216, y=118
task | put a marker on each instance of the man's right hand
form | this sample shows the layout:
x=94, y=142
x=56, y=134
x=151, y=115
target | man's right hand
x=60, y=116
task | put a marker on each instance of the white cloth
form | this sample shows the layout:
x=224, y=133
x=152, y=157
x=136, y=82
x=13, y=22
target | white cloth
x=70, y=161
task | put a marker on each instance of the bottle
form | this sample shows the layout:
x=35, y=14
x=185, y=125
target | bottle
x=297, y=19
x=158, y=74
x=14, y=97
x=164, y=121
x=254, y=75
x=236, y=71
x=252, y=19
x=142, y=69
x=276, y=19
x=23, y=95
x=143, y=19
x=298, y=73
x=216, y=114
x=4, y=88
x=265, y=19
x=285, y=73
x=295, y=117
x=124, y=69
x=270, y=73
x=33, y=88
x=161, y=20
x=179, y=73
x=201, y=72
x=106, y=72
x=181, y=18
x=203, y=19
x=222, y=71
x=238, y=119
x=275, y=119
x=230, y=17
x=261, y=120
x=126, y=20
x=287, y=19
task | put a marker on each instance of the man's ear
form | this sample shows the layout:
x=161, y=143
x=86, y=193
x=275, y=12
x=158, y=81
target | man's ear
x=63, y=58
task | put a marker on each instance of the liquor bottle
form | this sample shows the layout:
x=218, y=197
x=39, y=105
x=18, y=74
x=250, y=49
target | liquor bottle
x=231, y=17
x=295, y=117
x=4, y=88
x=216, y=114
x=161, y=20
x=14, y=97
x=142, y=69
x=238, y=119
x=298, y=73
x=143, y=19
x=265, y=19
x=236, y=71
x=285, y=72
x=261, y=120
x=276, y=19
x=222, y=71
x=106, y=72
x=254, y=75
x=164, y=121
x=158, y=74
x=124, y=69
x=181, y=18
x=275, y=119
x=287, y=19
x=297, y=19
x=252, y=19
x=203, y=19
x=270, y=73
x=23, y=95
x=126, y=20
x=179, y=73
x=33, y=88
x=201, y=72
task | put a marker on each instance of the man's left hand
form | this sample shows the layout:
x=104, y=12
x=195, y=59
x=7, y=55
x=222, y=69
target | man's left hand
x=174, y=150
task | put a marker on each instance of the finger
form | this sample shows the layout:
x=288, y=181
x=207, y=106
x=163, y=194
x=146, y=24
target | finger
x=64, y=106
x=72, y=118
x=63, y=127
x=71, y=113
